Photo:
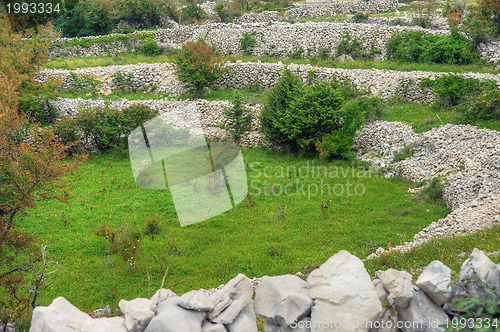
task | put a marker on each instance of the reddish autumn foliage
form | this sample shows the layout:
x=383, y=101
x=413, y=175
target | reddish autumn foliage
x=31, y=163
x=198, y=65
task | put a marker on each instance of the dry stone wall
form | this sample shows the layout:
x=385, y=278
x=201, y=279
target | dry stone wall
x=464, y=158
x=278, y=39
x=340, y=295
x=161, y=78
x=210, y=112
x=331, y=8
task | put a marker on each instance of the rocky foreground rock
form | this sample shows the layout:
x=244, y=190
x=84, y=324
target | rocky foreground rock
x=338, y=296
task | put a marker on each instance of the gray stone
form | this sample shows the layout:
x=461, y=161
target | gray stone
x=386, y=321
x=283, y=299
x=196, y=300
x=211, y=327
x=231, y=299
x=60, y=315
x=435, y=281
x=303, y=325
x=246, y=321
x=137, y=313
x=343, y=293
x=398, y=285
x=472, y=277
x=161, y=295
x=172, y=318
x=111, y=324
x=379, y=288
x=423, y=314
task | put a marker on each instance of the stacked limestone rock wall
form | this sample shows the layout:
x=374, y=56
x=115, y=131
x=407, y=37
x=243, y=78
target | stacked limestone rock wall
x=210, y=113
x=434, y=21
x=465, y=159
x=265, y=16
x=331, y=8
x=161, y=78
x=278, y=38
x=338, y=296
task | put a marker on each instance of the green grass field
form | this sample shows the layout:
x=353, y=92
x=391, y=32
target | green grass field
x=128, y=59
x=267, y=234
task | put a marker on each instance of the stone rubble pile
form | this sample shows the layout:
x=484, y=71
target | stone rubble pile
x=161, y=78
x=465, y=158
x=339, y=295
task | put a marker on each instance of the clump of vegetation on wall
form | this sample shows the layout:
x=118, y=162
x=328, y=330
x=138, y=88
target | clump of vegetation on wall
x=416, y=46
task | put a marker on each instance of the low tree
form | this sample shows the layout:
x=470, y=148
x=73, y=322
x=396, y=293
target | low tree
x=31, y=163
x=220, y=10
x=198, y=65
x=240, y=119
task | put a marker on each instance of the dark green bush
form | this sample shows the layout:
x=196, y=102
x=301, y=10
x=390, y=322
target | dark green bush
x=240, y=118
x=313, y=117
x=87, y=18
x=337, y=144
x=248, y=43
x=312, y=114
x=151, y=47
x=416, y=46
x=103, y=128
x=452, y=90
x=276, y=104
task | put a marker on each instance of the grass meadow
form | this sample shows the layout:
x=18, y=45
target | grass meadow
x=273, y=231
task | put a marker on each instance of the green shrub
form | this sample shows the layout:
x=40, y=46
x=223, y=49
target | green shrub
x=276, y=104
x=360, y=17
x=474, y=313
x=220, y=9
x=66, y=131
x=34, y=101
x=151, y=47
x=337, y=144
x=297, y=54
x=353, y=48
x=193, y=11
x=485, y=106
x=240, y=118
x=248, y=43
x=312, y=114
x=434, y=191
x=86, y=84
x=405, y=154
x=452, y=90
x=87, y=18
x=103, y=128
x=416, y=46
